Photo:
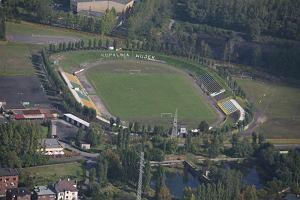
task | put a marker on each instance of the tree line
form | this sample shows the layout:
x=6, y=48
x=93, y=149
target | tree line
x=2, y=23
x=278, y=18
x=20, y=145
x=227, y=38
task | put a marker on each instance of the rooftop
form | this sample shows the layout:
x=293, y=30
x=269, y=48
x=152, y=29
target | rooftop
x=66, y=185
x=8, y=172
x=43, y=190
x=50, y=143
x=22, y=191
x=77, y=119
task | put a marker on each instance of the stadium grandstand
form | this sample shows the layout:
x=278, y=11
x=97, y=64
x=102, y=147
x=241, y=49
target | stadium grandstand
x=77, y=90
x=230, y=106
x=210, y=86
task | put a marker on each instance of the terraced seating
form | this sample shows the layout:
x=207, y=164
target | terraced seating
x=75, y=85
x=227, y=106
x=210, y=84
x=82, y=96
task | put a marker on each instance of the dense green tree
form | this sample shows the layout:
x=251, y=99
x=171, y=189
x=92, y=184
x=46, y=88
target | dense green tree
x=20, y=145
x=92, y=175
x=203, y=126
x=99, y=43
x=102, y=166
x=147, y=176
x=108, y=21
x=94, y=134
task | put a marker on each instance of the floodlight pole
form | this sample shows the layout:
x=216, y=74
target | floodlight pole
x=175, y=126
x=140, y=183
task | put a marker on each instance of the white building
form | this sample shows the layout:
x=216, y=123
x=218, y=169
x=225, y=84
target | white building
x=51, y=147
x=66, y=190
x=76, y=121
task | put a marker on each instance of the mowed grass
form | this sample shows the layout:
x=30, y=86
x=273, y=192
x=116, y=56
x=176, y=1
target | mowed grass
x=72, y=60
x=52, y=173
x=15, y=59
x=280, y=104
x=141, y=91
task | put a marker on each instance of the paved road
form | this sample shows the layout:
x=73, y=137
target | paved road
x=41, y=39
x=82, y=153
x=54, y=128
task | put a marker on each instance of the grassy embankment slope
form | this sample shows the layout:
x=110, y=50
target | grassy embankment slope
x=280, y=105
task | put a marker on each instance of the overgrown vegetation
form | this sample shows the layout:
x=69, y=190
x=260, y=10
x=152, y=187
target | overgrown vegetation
x=20, y=145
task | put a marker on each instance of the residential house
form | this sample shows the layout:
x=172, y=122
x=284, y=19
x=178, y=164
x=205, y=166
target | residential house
x=18, y=194
x=9, y=178
x=66, y=190
x=43, y=193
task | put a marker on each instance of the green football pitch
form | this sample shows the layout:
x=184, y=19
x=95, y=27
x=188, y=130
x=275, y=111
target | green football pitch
x=143, y=91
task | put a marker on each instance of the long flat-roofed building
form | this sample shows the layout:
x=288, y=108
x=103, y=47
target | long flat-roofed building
x=76, y=121
x=101, y=5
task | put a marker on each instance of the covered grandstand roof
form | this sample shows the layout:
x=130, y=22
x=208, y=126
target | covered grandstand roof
x=77, y=119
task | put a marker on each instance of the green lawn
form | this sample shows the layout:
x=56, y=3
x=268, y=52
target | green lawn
x=71, y=60
x=52, y=173
x=281, y=106
x=15, y=59
x=143, y=96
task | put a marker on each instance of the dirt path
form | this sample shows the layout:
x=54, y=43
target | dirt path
x=259, y=118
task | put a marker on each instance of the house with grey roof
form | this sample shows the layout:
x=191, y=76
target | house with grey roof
x=43, y=193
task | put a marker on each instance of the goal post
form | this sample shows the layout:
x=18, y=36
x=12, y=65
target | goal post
x=166, y=115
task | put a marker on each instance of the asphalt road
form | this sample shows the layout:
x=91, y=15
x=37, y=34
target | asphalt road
x=82, y=153
x=41, y=39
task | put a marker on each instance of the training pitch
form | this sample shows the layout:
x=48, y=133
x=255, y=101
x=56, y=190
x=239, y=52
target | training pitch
x=142, y=91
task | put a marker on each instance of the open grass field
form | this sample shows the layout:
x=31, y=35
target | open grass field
x=15, y=59
x=71, y=60
x=50, y=174
x=141, y=91
x=280, y=104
